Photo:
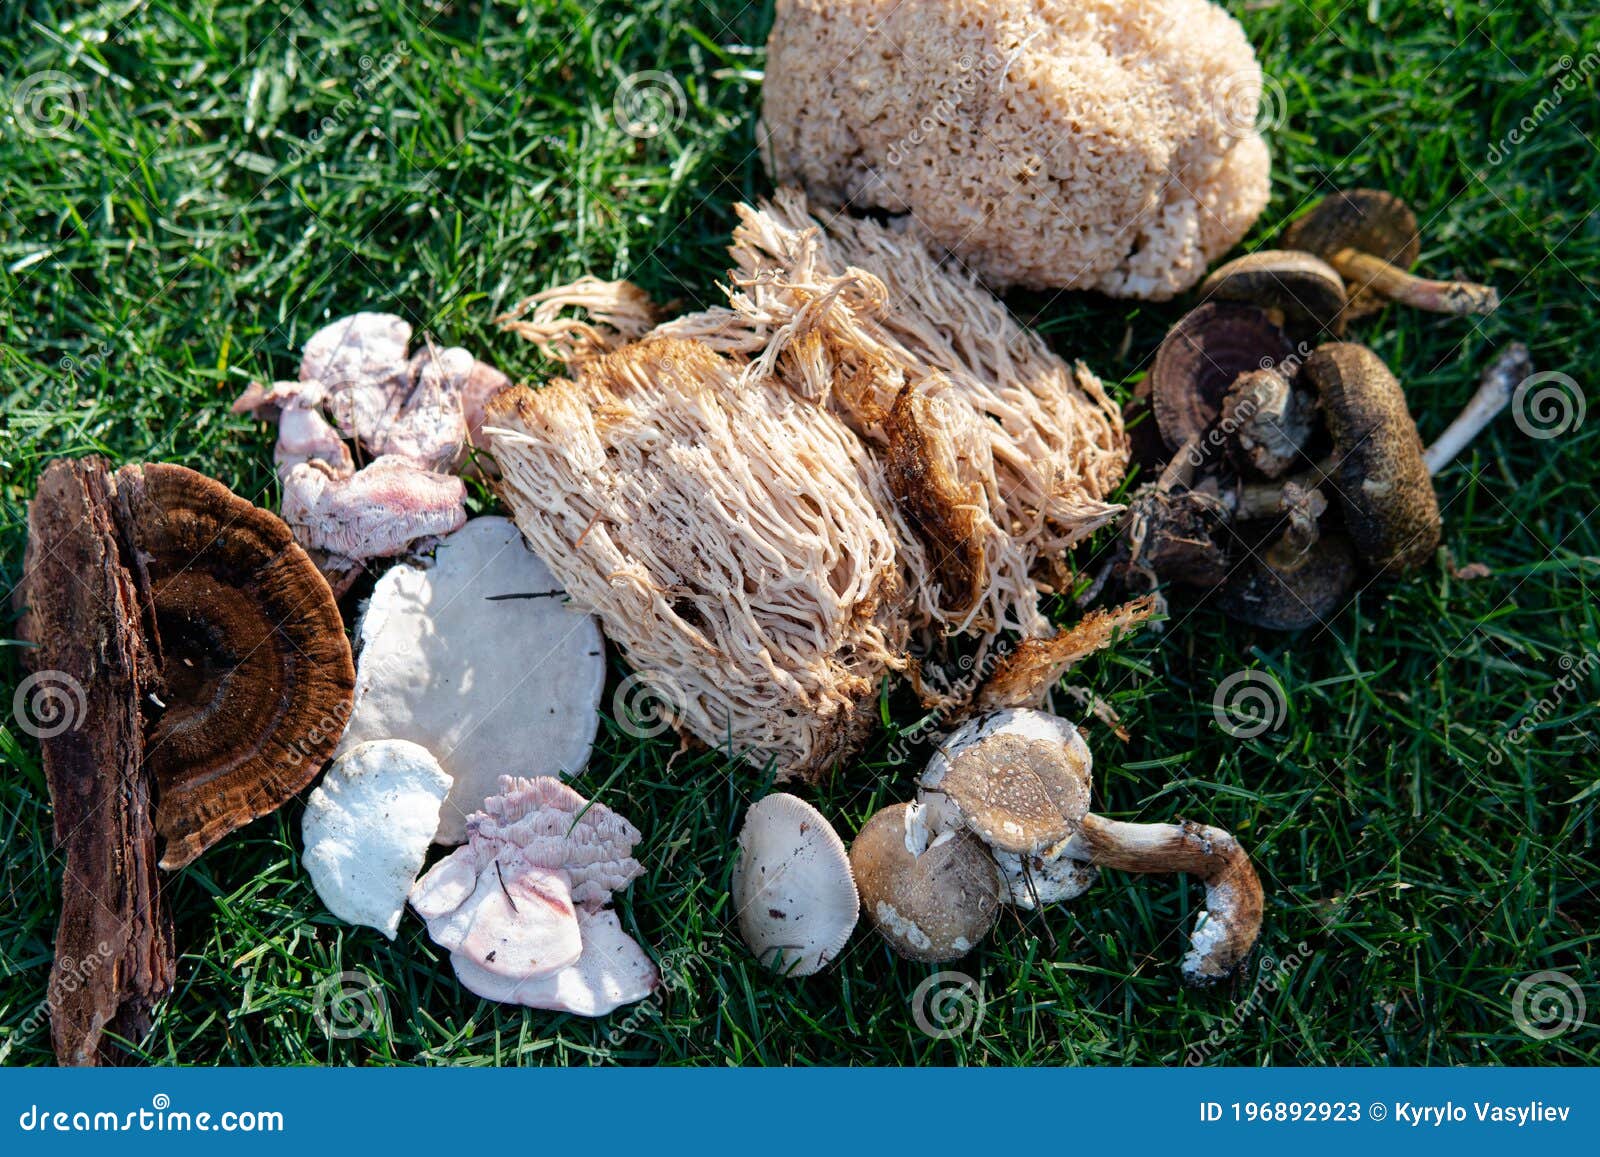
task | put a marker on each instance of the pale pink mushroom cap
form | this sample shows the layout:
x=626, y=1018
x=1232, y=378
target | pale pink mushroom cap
x=519, y=906
x=374, y=513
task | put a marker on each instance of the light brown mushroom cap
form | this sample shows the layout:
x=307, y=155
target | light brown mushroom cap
x=1380, y=476
x=1301, y=287
x=792, y=888
x=1199, y=359
x=1018, y=779
x=933, y=897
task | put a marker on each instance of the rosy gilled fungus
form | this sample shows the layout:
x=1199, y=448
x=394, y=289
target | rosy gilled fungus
x=520, y=906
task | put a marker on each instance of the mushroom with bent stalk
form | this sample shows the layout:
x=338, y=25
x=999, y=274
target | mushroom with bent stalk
x=1017, y=782
x=1371, y=238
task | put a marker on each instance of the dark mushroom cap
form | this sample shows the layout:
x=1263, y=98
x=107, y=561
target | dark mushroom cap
x=1199, y=359
x=1380, y=477
x=1301, y=286
x=255, y=664
x=1369, y=221
x=1289, y=598
x=932, y=897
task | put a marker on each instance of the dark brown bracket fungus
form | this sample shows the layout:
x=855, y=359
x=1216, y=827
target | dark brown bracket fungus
x=1298, y=290
x=215, y=671
x=1371, y=238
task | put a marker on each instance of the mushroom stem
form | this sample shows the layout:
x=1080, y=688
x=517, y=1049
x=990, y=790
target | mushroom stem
x=1367, y=272
x=1513, y=365
x=1227, y=929
x=1265, y=499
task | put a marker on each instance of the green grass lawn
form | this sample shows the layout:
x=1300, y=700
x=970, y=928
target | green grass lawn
x=226, y=175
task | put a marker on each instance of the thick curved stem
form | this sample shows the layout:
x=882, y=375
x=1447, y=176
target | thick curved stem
x=1499, y=383
x=1366, y=272
x=1227, y=929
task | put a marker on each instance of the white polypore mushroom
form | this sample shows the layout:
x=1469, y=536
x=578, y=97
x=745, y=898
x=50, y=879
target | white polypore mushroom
x=612, y=971
x=477, y=658
x=367, y=828
x=793, y=891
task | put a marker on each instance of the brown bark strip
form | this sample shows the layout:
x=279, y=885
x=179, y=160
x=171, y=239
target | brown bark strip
x=86, y=616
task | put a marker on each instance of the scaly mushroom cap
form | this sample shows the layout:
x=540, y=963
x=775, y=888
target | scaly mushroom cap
x=1368, y=221
x=1381, y=479
x=932, y=897
x=792, y=889
x=1200, y=358
x=255, y=662
x=1301, y=287
x=1018, y=779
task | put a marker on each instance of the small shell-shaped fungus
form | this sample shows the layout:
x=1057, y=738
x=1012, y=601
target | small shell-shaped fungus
x=519, y=906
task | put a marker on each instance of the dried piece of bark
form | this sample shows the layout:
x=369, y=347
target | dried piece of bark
x=88, y=617
x=201, y=653
x=1024, y=677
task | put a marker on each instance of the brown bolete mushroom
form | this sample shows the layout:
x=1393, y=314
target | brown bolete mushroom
x=1378, y=473
x=933, y=897
x=1200, y=358
x=793, y=892
x=1296, y=289
x=215, y=675
x=1300, y=578
x=1371, y=238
